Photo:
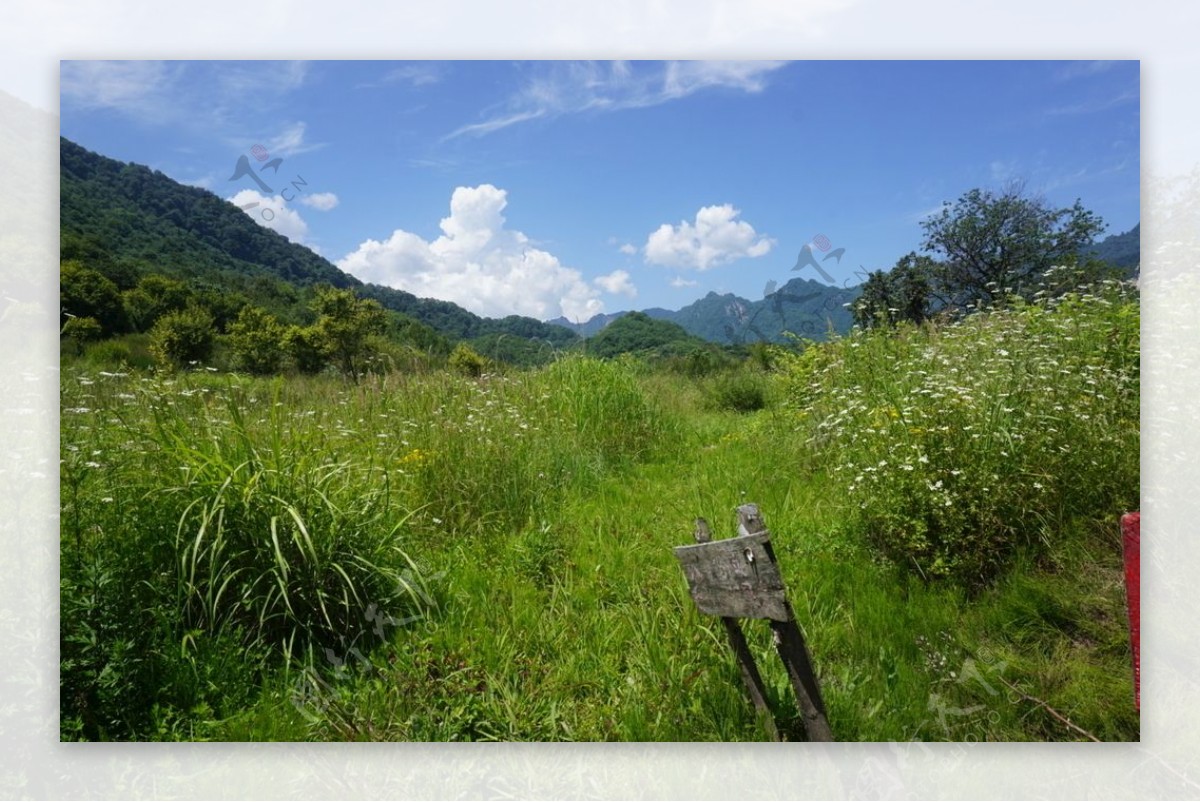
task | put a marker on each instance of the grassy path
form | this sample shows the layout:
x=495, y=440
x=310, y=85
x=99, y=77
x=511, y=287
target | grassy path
x=579, y=627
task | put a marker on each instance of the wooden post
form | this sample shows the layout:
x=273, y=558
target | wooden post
x=739, y=578
x=1131, y=531
x=789, y=642
x=741, y=652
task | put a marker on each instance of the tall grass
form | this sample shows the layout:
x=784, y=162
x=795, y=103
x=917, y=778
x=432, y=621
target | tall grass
x=276, y=519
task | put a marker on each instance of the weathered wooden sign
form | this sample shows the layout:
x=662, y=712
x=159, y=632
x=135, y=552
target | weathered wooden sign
x=735, y=578
x=739, y=578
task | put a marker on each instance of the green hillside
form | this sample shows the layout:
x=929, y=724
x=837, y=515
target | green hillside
x=126, y=222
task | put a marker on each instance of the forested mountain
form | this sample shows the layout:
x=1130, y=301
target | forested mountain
x=1121, y=250
x=126, y=221
x=638, y=333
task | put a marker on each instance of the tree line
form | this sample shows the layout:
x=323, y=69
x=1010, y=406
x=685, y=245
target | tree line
x=986, y=248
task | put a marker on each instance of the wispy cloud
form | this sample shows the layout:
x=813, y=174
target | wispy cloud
x=290, y=141
x=321, y=201
x=1082, y=69
x=1002, y=170
x=138, y=88
x=210, y=95
x=243, y=79
x=1094, y=105
x=922, y=214
x=416, y=74
x=496, y=123
x=561, y=88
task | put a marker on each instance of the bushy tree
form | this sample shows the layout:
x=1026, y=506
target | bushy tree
x=464, y=360
x=257, y=341
x=153, y=297
x=81, y=330
x=900, y=294
x=995, y=244
x=346, y=323
x=181, y=338
x=306, y=347
x=84, y=292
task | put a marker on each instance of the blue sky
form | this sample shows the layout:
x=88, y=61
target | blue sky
x=547, y=188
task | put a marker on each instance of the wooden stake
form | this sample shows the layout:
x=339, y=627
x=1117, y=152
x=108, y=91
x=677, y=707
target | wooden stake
x=789, y=642
x=742, y=655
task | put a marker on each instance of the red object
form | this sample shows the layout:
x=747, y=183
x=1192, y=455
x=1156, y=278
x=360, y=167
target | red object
x=1131, y=531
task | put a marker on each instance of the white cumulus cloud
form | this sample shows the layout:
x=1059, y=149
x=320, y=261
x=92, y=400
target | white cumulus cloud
x=616, y=283
x=273, y=213
x=628, y=249
x=321, y=201
x=478, y=264
x=716, y=237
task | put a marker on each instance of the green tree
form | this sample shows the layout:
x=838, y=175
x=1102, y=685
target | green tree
x=873, y=305
x=995, y=244
x=346, y=323
x=81, y=330
x=911, y=284
x=153, y=297
x=183, y=337
x=257, y=340
x=84, y=292
x=306, y=347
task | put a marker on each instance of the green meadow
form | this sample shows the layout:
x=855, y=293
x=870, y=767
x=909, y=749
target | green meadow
x=435, y=556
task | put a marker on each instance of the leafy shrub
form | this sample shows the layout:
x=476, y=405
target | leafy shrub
x=257, y=341
x=739, y=391
x=182, y=338
x=959, y=447
x=81, y=330
x=601, y=408
x=464, y=360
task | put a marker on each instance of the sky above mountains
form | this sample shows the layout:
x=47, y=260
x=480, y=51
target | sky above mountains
x=571, y=188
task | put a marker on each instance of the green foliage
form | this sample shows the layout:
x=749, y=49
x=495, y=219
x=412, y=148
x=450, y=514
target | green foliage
x=901, y=294
x=183, y=338
x=544, y=508
x=258, y=341
x=209, y=536
x=464, y=360
x=306, y=347
x=86, y=293
x=81, y=330
x=739, y=390
x=997, y=244
x=153, y=297
x=345, y=323
x=964, y=447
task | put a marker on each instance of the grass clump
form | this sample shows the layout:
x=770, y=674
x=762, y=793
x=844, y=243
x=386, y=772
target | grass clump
x=209, y=528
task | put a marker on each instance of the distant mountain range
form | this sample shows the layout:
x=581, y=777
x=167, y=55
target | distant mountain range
x=805, y=307
x=802, y=307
